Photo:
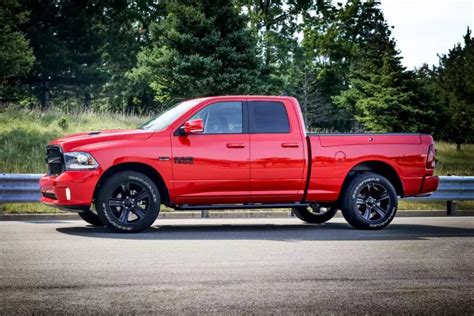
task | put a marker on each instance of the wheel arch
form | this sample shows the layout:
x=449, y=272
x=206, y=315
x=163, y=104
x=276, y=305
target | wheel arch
x=147, y=170
x=376, y=166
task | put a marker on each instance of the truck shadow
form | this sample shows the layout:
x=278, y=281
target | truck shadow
x=291, y=232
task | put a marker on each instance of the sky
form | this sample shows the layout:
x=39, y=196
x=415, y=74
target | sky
x=425, y=28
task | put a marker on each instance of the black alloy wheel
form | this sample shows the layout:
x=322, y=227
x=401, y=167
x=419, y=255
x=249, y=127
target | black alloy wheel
x=373, y=202
x=128, y=202
x=369, y=201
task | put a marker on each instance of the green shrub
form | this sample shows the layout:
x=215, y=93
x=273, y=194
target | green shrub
x=62, y=123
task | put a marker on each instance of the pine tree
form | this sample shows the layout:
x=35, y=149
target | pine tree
x=124, y=26
x=66, y=47
x=379, y=92
x=201, y=48
x=332, y=33
x=456, y=90
x=16, y=55
x=275, y=25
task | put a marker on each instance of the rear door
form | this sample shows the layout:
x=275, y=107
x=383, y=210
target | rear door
x=214, y=166
x=277, y=152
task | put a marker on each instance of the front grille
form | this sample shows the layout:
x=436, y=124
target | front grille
x=55, y=160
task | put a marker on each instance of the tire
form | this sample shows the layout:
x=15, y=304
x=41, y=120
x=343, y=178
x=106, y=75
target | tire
x=90, y=218
x=128, y=202
x=315, y=213
x=369, y=201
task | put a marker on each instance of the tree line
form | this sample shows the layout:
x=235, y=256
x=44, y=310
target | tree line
x=141, y=56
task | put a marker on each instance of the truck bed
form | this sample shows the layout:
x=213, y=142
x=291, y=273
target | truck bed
x=334, y=156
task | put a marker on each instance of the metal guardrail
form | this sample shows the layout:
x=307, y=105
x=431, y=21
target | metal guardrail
x=19, y=188
x=22, y=188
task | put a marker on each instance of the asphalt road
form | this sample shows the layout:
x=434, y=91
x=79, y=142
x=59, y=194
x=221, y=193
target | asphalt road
x=223, y=266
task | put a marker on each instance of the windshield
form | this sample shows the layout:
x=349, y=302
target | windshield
x=164, y=119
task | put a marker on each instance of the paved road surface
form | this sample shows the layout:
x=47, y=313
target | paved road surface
x=222, y=266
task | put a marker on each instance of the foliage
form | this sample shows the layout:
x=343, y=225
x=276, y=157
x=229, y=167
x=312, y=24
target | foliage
x=199, y=49
x=333, y=36
x=66, y=49
x=455, y=84
x=338, y=58
x=381, y=93
x=275, y=25
x=124, y=28
x=16, y=56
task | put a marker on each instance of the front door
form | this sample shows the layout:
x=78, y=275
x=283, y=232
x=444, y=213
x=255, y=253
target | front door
x=214, y=166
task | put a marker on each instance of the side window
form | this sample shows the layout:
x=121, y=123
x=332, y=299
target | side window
x=269, y=117
x=221, y=118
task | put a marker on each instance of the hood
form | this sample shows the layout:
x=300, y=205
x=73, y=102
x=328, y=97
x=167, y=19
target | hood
x=68, y=143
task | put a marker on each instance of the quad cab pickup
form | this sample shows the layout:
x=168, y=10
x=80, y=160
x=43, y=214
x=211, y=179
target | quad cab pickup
x=235, y=152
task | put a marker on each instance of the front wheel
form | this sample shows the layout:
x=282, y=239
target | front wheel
x=128, y=202
x=315, y=213
x=369, y=201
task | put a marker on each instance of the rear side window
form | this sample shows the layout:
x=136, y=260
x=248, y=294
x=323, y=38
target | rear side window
x=268, y=117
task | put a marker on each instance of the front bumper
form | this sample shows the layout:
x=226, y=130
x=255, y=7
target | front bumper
x=71, y=190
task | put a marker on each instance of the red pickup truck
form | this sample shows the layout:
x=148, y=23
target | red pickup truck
x=235, y=152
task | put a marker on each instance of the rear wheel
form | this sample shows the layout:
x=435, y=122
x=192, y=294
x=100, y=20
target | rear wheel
x=369, y=201
x=128, y=202
x=315, y=213
x=91, y=218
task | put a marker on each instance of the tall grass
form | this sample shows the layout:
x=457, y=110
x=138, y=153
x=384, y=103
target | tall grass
x=455, y=162
x=24, y=134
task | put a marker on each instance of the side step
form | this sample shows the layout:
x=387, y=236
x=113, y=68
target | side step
x=187, y=207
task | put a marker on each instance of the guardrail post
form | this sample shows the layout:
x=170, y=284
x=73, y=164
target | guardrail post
x=205, y=214
x=451, y=207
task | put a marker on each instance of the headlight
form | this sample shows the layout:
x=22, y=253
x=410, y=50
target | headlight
x=79, y=161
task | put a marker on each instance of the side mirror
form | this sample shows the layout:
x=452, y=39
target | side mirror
x=193, y=126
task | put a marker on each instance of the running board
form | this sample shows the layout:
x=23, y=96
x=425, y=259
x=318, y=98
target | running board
x=187, y=207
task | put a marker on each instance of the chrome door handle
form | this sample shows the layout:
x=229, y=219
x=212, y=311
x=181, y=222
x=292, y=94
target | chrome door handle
x=235, y=145
x=290, y=145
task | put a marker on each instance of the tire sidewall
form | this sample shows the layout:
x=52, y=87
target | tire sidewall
x=106, y=190
x=353, y=190
x=303, y=214
x=91, y=218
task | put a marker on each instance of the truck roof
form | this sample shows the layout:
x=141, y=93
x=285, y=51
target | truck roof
x=256, y=97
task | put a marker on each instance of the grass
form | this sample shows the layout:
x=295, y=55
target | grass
x=454, y=162
x=24, y=135
x=35, y=208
